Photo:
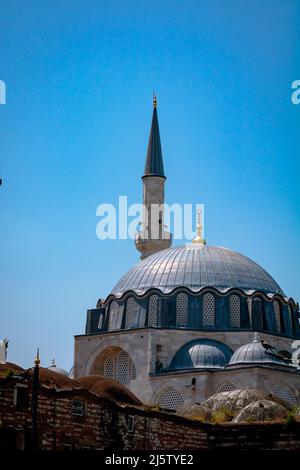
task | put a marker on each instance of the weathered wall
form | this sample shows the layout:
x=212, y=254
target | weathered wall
x=106, y=426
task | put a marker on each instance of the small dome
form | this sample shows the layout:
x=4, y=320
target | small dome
x=196, y=266
x=257, y=352
x=235, y=400
x=201, y=353
x=261, y=410
x=9, y=368
x=109, y=389
x=59, y=370
x=51, y=378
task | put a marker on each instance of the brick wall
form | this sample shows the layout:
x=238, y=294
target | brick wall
x=107, y=426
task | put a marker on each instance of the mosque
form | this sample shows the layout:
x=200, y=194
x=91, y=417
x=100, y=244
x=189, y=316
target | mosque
x=191, y=321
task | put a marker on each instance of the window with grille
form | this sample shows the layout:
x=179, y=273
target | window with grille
x=235, y=311
x=130, y=423
x=181, y=309
x=170, y=399
x=208, y=310
x=132, y=313
x=285, y=394
x=226, y=387
x=120, y=367
x=115, y=316
x=276, y=308
x=109, y=368
x=132, y=371
x=123, y=367
x=78, y=408
x=153, y=310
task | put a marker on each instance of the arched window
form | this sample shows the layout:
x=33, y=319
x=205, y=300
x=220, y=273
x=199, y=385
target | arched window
x=170, y=399
x=235, y=311
x=285, y=394
x=120, y=367
x=132, y=313
x=181, y=309
x=123, y=367
x=109, y=368
x=208, y=310
x=153, y=310
x=115, y=316
x=132, y=371
x=226, y=387
x=258, y=314
x=276, y=308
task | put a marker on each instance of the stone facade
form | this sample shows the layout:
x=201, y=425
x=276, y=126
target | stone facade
x=141, y=345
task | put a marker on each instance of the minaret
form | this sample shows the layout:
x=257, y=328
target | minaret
x=153, y=237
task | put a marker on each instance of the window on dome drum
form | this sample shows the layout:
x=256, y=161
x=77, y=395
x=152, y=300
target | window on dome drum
x=153, y=310
x=120, y=367
x=226, y=387
x=292, y=322
x=258, y=322
x=208, y=310
x=285, y=394
x=115, y=316
x=101, y=321
x=235, y=311
x=132, y=313
x=181, y=309
x=276, y=308
x=170, y=399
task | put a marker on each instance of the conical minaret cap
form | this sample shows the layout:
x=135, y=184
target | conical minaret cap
x=154, y=160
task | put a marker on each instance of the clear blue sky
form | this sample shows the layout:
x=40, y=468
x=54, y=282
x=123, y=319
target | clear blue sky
x=74, y=131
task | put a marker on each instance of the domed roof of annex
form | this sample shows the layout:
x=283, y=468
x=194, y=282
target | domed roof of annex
x=195, y=266
x=256, y=353
x=201, y=353
x=235, y=400
x=109, y=389
x=261, y=410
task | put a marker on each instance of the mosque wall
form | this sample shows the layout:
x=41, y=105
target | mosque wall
x=148, y=347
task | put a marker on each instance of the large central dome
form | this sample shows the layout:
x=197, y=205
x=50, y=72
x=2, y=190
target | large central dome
x=196, y=266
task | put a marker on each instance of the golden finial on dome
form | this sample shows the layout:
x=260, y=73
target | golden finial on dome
x=37, y=359
x=198, y=238
x=154, y=100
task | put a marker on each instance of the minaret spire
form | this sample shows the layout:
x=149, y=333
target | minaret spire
x=153, y=237
x=154, y=161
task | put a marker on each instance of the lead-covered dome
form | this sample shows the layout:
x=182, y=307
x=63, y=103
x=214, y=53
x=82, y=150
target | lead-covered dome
x=201, y=353
x=257, y=353
x=261, y=410
x=196, y=266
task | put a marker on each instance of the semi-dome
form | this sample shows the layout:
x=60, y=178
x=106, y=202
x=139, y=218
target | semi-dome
x=196, y=266
x=201, y=353
x=257, y=353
